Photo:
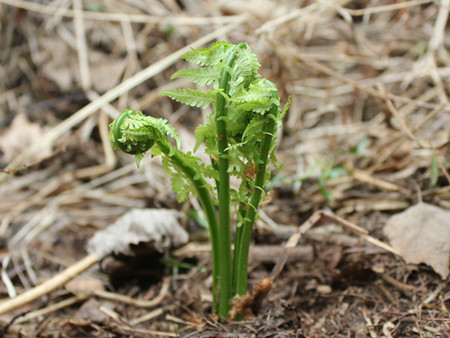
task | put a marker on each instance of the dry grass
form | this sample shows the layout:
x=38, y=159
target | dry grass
x=367, y=135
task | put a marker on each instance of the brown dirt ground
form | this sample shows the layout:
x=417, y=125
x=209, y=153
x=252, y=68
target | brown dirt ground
x=366, y=137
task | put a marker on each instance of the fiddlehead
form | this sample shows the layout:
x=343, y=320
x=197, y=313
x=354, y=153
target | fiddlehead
x=135, y=133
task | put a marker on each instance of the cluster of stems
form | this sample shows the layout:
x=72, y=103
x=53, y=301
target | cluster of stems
x=229, y=267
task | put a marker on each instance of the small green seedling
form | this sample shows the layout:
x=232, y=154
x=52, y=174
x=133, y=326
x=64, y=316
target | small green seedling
x=239, y=137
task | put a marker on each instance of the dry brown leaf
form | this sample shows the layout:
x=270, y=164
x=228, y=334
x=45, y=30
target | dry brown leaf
x=422, y=234
x=158, y=226
x=21, y=134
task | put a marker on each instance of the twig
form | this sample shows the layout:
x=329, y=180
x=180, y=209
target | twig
x=411, y=135
x=439, y=29
x=401, y=120
x=110, y=158
x=51, y=308
x=132, y=301
x=292, y=242
x=400, y=286
x=385, y=8
x=115, y=316
x=82, y=49
x=369, y=325
x=366, y=177
x=183, y=322
x=150, y=315
x=148, y=333
x=120, y=17
x=305, y=13
x=317, y=217
x=49, y=285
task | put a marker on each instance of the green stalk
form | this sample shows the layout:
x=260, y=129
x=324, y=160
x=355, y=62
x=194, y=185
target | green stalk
x=238, y=234
x=223, y=192
x=208, y=207
x=241, y=258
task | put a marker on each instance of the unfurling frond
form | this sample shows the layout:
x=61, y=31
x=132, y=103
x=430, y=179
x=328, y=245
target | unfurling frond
x=258, y=98
x=209, y=56
x=135, y=133
x=245, y=68
x=256, y=126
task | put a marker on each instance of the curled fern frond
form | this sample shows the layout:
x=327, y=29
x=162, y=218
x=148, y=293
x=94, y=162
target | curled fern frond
x=127, y=135
x=135, y=133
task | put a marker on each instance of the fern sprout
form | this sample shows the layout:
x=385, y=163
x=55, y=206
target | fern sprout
x=239, y=136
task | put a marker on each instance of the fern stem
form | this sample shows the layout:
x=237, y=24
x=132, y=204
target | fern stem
x=207, y=204
x=241, y=258
x=223, y=191
x=238, y=234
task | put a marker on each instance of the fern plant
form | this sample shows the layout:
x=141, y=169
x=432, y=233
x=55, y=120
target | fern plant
x=239, y=137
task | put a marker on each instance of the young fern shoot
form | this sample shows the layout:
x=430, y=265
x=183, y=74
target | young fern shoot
x=239, y=136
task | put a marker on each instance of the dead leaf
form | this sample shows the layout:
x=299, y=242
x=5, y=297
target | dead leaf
x=158, y=226
x=21, y=134
x=422, y=234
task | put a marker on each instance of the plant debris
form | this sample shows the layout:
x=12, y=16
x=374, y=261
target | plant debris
x=422, y=234
x=157, y=227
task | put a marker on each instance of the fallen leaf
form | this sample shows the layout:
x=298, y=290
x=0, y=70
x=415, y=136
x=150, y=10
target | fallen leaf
x=422, y=235
x=158, y=226
x=21, y=134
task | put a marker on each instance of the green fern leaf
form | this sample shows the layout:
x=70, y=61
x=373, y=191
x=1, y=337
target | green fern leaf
x=245, y=69
x=284, y=110
x=181, y=187
x=201, y=76
x=169, y=130
x=254, y=127
x=192, y=97
x=259, y=97
x=203, y=133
